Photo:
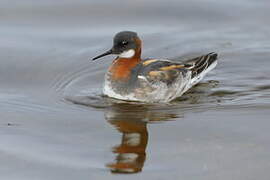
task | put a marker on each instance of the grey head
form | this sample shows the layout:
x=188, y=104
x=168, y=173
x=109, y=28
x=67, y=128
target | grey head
x=125, y=44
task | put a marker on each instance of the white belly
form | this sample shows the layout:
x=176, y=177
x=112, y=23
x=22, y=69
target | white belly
x=157, y=92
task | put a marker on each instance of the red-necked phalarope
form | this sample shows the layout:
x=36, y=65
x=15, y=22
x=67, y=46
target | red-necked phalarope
x=151, y=80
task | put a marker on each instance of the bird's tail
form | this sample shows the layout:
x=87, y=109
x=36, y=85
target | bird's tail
x=200, y=66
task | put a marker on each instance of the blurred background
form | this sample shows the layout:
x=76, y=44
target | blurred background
x=55, y=123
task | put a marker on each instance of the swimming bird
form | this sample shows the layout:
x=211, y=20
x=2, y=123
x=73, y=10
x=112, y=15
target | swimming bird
x=131, y=78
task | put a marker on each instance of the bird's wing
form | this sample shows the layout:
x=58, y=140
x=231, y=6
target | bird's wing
x=168, y=71
x=155, y=70
x=201, y=64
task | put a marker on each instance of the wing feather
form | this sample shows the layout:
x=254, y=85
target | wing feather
x=168, y=71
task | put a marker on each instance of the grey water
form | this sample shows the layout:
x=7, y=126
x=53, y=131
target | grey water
x=55, y=123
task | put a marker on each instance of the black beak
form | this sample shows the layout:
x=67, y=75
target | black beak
x=104, y=54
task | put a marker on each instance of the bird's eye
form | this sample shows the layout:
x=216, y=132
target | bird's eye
x=124, y=43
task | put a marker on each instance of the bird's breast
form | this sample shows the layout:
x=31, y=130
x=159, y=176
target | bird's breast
x=121, y=68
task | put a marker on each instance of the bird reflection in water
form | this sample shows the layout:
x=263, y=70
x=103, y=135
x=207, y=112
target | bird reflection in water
x=131, y=120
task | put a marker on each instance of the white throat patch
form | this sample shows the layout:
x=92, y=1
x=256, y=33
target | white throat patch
x=127, y=54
